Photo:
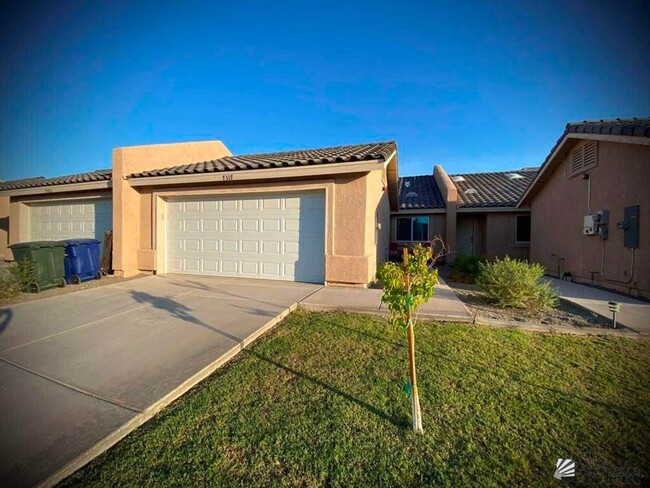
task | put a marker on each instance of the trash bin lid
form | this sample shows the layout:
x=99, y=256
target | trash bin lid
x=36, y=244
x=75, y=242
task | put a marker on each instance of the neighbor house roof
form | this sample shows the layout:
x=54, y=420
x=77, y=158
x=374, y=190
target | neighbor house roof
x=98, y=175
x=419, y=192
x=498, y=189
x=631, y=128
x=306, y=157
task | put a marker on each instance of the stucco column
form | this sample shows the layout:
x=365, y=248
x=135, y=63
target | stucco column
x=129, y=222
x=450, y=195
x=4, y=227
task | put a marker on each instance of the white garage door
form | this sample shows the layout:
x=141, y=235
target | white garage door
x=272, y=236
x=70, y=219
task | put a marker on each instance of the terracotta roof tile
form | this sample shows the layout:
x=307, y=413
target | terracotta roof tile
x=98, y=175
x=306, y=157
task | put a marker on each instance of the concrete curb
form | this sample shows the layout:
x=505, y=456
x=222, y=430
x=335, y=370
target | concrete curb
x=556, y=329
x=153, y=409
x=313, y=307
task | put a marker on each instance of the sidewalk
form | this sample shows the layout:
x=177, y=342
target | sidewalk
x=444, y=306
x=634, y=314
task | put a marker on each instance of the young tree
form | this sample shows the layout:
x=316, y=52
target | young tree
x=406, y=287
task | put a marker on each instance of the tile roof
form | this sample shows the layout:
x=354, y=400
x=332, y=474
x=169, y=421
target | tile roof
x=419, y=192
x=635, y=126
x=287, y=159
x=496, y=189
x=98, y=175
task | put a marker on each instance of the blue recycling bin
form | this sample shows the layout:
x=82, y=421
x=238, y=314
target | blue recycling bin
x=82, y=260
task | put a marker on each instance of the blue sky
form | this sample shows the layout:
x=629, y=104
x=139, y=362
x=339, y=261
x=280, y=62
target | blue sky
x=475, y=86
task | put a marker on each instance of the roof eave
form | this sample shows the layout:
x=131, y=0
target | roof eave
x=60, y=188
x=259, y=174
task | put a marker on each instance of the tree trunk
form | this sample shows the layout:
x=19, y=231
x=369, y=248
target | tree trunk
x=415, y=399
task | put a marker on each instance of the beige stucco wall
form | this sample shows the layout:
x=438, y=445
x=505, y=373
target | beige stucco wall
x=499, y=236
x=621, y=179
x=4, y=227
x=130, y=212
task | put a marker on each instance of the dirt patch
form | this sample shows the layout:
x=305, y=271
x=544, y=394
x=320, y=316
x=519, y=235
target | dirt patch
x=52, y=292
x=565, y=314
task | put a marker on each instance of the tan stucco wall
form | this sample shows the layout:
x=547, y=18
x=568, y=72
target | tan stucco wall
x=499, y=236
x=5, y=253
x=128, y=204
x=351, y=251
x=450, y=195
x=621, y=179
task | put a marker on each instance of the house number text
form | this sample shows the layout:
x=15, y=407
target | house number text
x=227, y=177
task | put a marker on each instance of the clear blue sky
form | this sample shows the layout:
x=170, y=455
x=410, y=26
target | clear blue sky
x=476, y=86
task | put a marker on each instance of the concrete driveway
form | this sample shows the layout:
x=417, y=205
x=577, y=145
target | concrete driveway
x=90, y=366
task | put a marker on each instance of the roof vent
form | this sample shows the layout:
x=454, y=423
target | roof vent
x=411, y=194
x=407, y=184
x=457, y=178
x=514, y=176
x=470, y=191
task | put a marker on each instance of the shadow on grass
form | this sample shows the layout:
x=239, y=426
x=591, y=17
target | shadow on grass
x=397, y=422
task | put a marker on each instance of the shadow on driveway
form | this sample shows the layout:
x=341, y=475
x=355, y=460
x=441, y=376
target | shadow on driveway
x=177, y=310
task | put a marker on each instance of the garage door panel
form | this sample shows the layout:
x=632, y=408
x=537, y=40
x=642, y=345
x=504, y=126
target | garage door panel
x=272, y=236
x=70, y=219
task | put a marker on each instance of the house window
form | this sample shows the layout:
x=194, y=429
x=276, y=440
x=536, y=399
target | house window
x=412, y=229
x=522, y=229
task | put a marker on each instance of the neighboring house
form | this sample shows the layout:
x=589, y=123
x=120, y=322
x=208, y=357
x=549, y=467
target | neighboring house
x=318, y=215
x=474, y=213
x=590, y=204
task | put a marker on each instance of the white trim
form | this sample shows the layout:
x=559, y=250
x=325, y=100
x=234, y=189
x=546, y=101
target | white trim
x=225, y=177
x=45, y=201
x=66, y=187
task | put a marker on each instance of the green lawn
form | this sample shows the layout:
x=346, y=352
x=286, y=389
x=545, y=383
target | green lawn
x=320, y=401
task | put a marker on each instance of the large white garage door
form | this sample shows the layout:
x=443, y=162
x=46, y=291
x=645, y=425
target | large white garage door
x=70, y=219
x=272, y=236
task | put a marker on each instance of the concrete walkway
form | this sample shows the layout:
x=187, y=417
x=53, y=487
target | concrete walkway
x=634, y=314
x=78, y=372
x=444, y=306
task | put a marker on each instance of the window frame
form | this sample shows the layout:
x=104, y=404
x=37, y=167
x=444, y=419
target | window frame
x=412, y=219
x=517, y=217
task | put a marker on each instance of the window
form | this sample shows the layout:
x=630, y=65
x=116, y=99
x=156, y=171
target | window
x=412, y=229
x=522, y=229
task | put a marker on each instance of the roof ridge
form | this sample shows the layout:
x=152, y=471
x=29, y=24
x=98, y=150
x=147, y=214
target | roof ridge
x=607, y=121
x=304, y=150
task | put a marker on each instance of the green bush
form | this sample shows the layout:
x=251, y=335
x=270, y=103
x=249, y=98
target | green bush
x=24, y=273
x=9, y=287
x=513, y=283
x=466, y=268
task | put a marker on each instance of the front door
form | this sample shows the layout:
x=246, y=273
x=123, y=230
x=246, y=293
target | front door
x=466, y=235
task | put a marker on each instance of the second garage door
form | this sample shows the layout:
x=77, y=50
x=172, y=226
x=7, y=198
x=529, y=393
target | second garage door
x=272, y=236
x=70, y=219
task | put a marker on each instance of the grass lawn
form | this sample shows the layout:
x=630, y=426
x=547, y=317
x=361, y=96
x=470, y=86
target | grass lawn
x=320, y=401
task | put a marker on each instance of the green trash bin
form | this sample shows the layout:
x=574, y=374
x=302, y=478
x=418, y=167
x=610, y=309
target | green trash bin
x=48, y=258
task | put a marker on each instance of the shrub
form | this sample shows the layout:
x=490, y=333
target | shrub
x=513, y=283
x=465, y=268
x=24, y=273
x=9, y=287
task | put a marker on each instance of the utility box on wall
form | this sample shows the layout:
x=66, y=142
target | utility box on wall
x=631, y=227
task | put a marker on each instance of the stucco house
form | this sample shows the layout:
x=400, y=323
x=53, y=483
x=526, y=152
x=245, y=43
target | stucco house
x=474, y=213
x=590, y=203
x=318, y=215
